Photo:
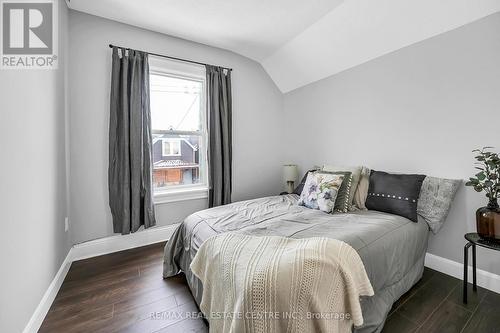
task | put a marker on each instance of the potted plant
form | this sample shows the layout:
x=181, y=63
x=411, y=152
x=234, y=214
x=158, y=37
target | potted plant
x=487, y=180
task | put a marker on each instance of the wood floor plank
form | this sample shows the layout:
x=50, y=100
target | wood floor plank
x=154, y=268
x=116, y=298
x=448, y=318
x=420, y=306
x=170, y=317
x=110, y=282
x=112, y=275
x=115, y=260
x=486, y=319
x=91, y=284
x=114, y=293
x=178, y=287
x=184, y=297
x=426, y=276
x=491, y=298
x=396, y=323
x=473, y=297
x=65, y=322
x=83, y=273
x=186, y=326
x=121, y=321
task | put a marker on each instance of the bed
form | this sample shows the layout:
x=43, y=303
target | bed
x=391, y=247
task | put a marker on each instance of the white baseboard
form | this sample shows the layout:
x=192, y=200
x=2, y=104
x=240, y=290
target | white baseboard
x=90, y=249
x=485, y=279
x=117, y=243
x=49, y=296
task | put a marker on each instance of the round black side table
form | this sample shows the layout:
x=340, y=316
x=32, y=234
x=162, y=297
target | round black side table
x=473, y=241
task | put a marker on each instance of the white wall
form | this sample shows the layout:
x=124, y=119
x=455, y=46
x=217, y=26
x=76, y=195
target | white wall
x=33, y=243
x=421, y=109
x=257, y=121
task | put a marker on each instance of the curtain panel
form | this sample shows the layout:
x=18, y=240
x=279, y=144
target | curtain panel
x=220, y=135
x=130, y=140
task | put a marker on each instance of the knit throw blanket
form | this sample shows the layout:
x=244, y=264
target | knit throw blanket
x=277, y=284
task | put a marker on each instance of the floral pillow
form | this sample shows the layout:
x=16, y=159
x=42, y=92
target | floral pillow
x=320, y=191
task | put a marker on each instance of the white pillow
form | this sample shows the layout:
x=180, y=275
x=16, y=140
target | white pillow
x=362, y=190
x=320, y=191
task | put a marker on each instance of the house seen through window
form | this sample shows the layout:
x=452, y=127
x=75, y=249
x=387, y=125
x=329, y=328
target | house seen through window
x=178, y=116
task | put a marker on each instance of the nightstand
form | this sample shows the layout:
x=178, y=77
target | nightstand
x=473, y=241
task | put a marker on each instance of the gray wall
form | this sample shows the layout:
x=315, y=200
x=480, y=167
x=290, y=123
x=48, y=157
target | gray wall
x=420, y=109
x=33, y=243
x=257, y=121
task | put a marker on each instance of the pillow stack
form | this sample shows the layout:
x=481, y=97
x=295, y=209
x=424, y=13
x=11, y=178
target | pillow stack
x=425, y=196
x=343, y=189
x=351, y=188
x=347, y=179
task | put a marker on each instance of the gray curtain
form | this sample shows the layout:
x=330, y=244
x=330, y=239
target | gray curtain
x=220, y=135
x=129, y=172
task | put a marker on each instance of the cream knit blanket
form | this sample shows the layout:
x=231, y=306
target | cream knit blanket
x=277, y=284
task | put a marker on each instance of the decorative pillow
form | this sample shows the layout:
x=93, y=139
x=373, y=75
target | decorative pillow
x=342, y=202
x=320, y=191
x=356, y=174
x=435, y=200
x=394, y=193
x=298, y=189
x=362, y=190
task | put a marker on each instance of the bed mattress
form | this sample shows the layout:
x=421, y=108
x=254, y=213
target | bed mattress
x=391, y=247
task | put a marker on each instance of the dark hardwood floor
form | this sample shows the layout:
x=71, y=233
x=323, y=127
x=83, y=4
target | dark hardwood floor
x=434, y=304
x=125, y=292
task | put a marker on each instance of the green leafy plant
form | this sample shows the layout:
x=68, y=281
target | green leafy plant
x=488, y=177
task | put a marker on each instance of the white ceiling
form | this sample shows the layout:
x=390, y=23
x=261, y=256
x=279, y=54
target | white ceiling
x=361, y=30
x=253, y=28
x=297, y=41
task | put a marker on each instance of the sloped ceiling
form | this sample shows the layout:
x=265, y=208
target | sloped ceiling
x=360, y=30
x=253, y=28
x=297, y=42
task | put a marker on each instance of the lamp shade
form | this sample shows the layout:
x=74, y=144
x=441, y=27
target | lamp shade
x=290, y=172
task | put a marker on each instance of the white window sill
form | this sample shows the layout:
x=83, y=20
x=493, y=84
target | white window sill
x=180, y=194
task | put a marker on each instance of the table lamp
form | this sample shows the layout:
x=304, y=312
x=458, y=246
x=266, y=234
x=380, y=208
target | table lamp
x=290, y=175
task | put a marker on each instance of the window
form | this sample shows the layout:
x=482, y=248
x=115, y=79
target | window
x=171, y=147
x=178, y=119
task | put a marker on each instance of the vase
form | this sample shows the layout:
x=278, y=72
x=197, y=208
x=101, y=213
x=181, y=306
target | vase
x=488, y=221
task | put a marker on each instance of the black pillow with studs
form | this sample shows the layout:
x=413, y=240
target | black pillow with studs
x=394, y=193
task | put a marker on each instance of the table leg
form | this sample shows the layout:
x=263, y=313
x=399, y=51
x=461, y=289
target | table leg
x=474, y=282
x=466, y=267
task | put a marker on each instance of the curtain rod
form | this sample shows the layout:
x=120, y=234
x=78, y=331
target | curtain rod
x=169, y=57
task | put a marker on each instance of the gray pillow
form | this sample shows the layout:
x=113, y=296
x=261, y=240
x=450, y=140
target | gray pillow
x=356, y=174
x=362, y=190
x=436, y=196
x=342, y=203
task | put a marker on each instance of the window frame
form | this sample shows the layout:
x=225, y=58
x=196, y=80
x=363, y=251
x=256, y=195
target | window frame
x=181, y=70
x=170, y=141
